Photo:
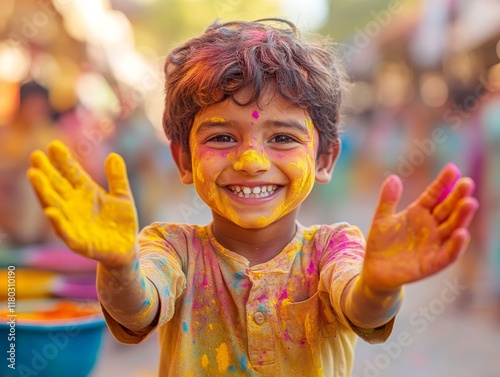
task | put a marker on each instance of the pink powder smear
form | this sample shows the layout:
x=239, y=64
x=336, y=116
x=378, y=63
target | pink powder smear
x=255, y=114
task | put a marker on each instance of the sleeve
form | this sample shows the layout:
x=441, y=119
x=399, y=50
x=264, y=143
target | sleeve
x=342, y=259
x=162, y=264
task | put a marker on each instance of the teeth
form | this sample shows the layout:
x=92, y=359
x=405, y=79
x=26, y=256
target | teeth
x=255, y=192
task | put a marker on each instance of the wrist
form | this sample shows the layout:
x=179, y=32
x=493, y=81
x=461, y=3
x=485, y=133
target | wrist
x=371, y=290
x=367, y=307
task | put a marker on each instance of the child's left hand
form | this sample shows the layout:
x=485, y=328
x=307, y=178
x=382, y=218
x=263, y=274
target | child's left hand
x=423, y=238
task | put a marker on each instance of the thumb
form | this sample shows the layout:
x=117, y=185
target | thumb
x=117, y=176
x=390, y=195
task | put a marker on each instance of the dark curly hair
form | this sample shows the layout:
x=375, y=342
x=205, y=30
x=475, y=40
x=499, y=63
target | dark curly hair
x=231, y=56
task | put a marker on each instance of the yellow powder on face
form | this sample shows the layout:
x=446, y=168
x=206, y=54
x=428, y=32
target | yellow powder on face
x=215, y=119
x=302, y=178
x=222, y=357
x=199, y=175
x=251, y=156
x=204, y=361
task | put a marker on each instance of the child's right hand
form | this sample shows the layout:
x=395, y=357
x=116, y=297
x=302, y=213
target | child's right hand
x=93, y=222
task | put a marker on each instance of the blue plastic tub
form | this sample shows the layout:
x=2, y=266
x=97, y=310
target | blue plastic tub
x=50, y=348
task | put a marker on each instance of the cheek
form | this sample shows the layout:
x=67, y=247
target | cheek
x=204, y=160
x=302, y=173
x=197, y=169
x=301, y=164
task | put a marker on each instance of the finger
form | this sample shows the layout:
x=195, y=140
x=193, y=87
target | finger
x=61, y=227
x=67, y=166
x=390, y=195
x=463, y=188
x=116, y=172
x=439, y=189
x=39, y=160
x=46, y=194
x=453, y=248
x=459, y=218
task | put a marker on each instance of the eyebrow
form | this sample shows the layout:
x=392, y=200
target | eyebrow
x=289, y=123
x=213, y=122
x=221, y=122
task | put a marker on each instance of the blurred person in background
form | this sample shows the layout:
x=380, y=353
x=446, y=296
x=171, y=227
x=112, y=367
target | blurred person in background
x=21, y=219
x=472, y=141
x=487, y=225
x=150, y=167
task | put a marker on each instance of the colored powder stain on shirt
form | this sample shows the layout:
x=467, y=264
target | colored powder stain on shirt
x=284, y=295
x=255, y=115
x=205, y=282
x=238, y=276
x=222, y=357
x=262, y=309
x=243, y=363
x=232, y=368
x=184, y=326
x=204, y=361
x=311, y=268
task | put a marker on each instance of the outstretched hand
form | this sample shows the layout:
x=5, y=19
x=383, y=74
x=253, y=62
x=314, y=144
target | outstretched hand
x=422, y=239
x=95, y=223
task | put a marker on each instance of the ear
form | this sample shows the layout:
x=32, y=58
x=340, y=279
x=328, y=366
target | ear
x=326, y=162
x=183, y=162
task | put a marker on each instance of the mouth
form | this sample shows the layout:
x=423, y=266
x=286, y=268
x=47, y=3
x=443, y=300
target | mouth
x=262, y=191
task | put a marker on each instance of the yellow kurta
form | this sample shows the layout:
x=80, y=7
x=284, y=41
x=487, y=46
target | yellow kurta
x=220, y=317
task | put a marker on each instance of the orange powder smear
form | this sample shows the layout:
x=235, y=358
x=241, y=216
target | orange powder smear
x=62, y=310
x=204, y=361
x=222, y=357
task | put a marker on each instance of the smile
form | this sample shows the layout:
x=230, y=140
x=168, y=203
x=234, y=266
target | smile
x=253, y=192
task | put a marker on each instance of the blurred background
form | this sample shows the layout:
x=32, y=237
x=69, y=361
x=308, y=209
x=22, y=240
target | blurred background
x=425, y=90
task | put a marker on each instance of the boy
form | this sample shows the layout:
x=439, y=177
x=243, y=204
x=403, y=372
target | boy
x=252, y=111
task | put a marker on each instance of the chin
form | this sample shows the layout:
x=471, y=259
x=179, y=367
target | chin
x=259, y=223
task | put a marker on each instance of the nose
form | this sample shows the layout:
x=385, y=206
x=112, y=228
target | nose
x=252, y=161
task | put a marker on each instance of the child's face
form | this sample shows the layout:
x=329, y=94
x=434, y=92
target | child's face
x=253, y=165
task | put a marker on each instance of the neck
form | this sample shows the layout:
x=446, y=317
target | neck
x=258, y=245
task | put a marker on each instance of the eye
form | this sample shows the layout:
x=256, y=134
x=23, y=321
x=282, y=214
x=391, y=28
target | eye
x=283, y=139
x=222, y=139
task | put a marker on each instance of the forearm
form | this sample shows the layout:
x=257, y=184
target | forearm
x=127, y=295
x=367, y=308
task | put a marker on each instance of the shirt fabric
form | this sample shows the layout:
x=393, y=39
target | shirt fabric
x=221, y=317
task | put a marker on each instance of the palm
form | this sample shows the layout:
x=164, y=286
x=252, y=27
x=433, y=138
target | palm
x=412, y=236
x=101, y=224
x=422, y=239
x=93, y=222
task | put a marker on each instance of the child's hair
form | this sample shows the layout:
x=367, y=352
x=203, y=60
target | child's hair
x=235, y=55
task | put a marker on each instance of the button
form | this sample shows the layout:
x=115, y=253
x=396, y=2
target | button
x=259, y=317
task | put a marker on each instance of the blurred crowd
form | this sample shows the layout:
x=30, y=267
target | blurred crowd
x=412, y=107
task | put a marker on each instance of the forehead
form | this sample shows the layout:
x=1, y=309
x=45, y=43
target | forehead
x=270, y=104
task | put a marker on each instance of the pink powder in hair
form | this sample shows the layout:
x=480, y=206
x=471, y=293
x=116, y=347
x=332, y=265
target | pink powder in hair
x=255, y=115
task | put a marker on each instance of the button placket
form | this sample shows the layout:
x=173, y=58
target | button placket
x=261, y=338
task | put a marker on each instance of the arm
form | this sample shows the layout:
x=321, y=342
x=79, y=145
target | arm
x=410, y=245
x=100, y=225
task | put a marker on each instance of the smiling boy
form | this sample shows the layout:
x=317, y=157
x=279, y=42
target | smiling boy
x=252, y=112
